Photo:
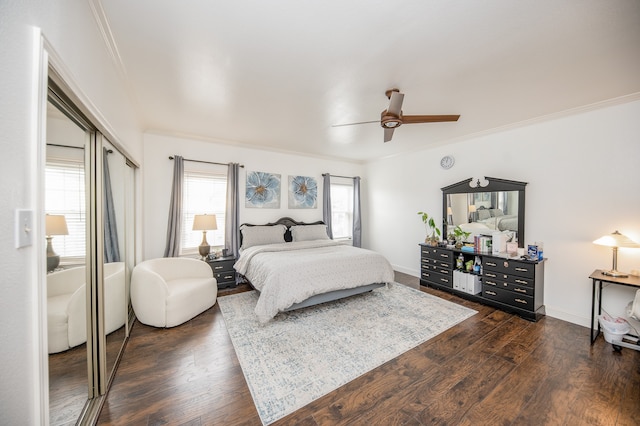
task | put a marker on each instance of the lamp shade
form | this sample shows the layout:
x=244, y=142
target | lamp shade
x=616, y=239
x=472, y=208
x=204, y=222
x=56, y=224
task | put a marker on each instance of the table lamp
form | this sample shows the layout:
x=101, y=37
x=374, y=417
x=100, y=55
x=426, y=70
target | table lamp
x=614, y=241
x=55, y=224
x=204, y=223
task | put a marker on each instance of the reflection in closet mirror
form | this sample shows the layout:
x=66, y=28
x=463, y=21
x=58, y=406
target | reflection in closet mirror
x=89, y=182
x=65, y=196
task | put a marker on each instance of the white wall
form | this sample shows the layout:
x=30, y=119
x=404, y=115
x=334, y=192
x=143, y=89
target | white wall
x=70, y=28
x=583, y=172
x=158, y=172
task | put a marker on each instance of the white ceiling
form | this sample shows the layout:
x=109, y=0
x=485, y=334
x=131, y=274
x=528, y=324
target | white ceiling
x=278, y=74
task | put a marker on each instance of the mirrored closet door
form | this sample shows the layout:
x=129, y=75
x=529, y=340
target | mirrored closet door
x=89, y=195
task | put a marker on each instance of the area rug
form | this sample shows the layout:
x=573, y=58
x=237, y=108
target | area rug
x=302, y=355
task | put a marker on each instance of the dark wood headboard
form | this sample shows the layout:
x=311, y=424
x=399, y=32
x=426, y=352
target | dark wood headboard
x=286, y=221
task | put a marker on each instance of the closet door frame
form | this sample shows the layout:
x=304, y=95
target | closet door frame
x=49, y=66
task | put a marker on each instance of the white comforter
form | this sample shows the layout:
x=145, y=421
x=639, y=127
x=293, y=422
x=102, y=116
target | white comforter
x=290, y=273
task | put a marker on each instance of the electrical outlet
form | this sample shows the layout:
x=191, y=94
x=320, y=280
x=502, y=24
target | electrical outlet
x=24, y=228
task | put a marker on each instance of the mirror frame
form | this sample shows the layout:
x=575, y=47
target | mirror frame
x=494, y=185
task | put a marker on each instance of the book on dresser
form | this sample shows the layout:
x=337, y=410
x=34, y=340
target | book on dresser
x=514, y=285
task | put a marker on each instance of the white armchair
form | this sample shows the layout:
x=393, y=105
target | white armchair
x=67, y=305
x=169, y=291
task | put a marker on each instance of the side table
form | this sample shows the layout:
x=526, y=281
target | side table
x=597, y=278
x=223, y=271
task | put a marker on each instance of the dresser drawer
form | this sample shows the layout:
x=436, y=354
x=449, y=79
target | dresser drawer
x=509, y=267
x=516, y=288
x=441, y=257
x=505, y=280
x=440, y=277
x=508, y=297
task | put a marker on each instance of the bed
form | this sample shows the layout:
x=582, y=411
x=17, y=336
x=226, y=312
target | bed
x=495, y=219
x=294, y=265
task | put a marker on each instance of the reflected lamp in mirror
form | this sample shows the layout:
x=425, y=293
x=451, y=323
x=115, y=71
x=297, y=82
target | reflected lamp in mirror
x=55, y=224
x=472, y=213
x=614, y=241
x=204, y=223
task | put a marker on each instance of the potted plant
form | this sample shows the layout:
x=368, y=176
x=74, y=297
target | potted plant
x=460, y=235
x=433, y=233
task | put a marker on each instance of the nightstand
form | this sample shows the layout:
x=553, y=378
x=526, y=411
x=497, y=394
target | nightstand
x=223, y=271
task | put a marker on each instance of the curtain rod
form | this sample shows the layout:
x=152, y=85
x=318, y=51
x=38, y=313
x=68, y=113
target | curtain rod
x=109, y=151
x=206, y=162
x=346, y=177
x=65, y=146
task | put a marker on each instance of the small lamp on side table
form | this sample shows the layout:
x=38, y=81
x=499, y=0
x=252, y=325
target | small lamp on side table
x=614, y=241
x=55, y=224
x=204, y=223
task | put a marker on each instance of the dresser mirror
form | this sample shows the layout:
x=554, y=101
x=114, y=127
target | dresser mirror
x=484, y=207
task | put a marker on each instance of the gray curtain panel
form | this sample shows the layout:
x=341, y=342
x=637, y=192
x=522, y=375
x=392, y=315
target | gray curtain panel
x=232, y=215
x=111, y=246
x=172, y=248
x=357, y=226
x=326, y=202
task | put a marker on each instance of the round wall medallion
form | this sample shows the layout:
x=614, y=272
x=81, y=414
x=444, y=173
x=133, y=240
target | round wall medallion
x=447, y=162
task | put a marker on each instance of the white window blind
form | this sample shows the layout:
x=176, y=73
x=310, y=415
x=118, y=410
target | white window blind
x=65, y=195
x=203, y=193
x=342, y=210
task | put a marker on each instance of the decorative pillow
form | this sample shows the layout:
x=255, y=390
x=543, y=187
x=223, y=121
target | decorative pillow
x=260, y=235
x=496, y=212
x=483, y=214
x=309, y=232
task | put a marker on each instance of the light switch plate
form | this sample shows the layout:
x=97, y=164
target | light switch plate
x=24, y=228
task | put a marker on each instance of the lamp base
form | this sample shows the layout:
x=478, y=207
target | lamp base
x=615, y=273
x=52, y=262
x=204, y=250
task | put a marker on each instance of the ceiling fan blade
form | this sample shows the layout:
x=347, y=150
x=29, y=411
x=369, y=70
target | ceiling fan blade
x=388, y=134
x=395, y=103
x=409, y=119
x=353, y=124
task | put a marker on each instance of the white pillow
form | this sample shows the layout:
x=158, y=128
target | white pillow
x=309, y=232
x=260, y=235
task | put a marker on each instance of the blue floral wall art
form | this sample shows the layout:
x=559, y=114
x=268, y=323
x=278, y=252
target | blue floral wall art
x=303, y=192
x=263, y=190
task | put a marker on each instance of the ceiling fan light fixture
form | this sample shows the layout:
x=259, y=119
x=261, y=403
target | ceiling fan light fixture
x=389, y=121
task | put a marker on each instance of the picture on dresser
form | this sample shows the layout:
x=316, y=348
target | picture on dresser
x=303, y=192
x=262, y=190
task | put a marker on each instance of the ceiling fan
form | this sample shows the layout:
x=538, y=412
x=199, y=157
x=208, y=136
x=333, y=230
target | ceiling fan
x=392, y=117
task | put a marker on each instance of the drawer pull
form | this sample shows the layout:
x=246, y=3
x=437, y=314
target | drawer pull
x=490, y=283
x=444, y=280
x=426, y=274
x=489, y=274
x=444, y=271
x=490, y=292
x=227, y=277
x=520, y=290
x=521, y=282
x=444, y=255
x=492, y=264
x=218, y=267
x=522, y=269
x=524, y=302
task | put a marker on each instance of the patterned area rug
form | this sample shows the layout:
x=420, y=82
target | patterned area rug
x=302, y=355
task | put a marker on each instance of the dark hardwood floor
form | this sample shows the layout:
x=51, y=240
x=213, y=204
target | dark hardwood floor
x=494, y=368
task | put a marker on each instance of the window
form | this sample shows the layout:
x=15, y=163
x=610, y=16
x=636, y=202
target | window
x=64, y=195
x=203, y=192
x=342, y=210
